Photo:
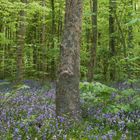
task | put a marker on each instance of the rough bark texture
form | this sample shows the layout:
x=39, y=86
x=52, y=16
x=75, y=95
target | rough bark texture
x=20, y=47
x=95, y=36
x=67, y=94
x=112, y=7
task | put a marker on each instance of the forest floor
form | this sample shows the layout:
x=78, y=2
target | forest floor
x=109, y=113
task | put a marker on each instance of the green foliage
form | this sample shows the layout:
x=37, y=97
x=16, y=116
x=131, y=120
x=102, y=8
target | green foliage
x=38, y=15
x=112, y=100
x=96, y=88
x=4, y=83
x=95, y=94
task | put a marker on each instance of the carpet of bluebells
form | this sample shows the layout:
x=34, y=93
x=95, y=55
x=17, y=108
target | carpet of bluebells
x=27, y=112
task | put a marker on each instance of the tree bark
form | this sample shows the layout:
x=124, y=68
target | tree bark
x=95, y=36
x=43, y=43
x=53, y=72
x=67, y=94
x=130, y=28
x=60, y=22
x=123, y=41
x=112, y=7
x=20, y=44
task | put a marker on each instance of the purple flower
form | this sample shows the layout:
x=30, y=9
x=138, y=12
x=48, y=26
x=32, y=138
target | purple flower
x=110, y=136
x=104, y=137
x=61, y=119
x=97, y=137
x=16, y=130
x=65, y=137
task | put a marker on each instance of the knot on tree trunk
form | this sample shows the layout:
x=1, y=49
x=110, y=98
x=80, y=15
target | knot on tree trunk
x=66, y=73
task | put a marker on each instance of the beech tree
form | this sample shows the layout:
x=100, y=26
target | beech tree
x=130, y=28
x=67, y=94
x=53, y=72
x=43, y=42
x=20, y=44
x=112, y=8
x=94, y=40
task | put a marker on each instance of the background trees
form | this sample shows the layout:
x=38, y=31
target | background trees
x=44, y=22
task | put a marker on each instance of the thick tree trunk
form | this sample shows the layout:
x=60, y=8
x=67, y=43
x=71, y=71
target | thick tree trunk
x=20, y=43
x=95, y=36
x=67, y=94
x=112, y=7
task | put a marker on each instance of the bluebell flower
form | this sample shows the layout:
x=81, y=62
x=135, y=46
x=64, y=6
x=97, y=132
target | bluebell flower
x=16, y=130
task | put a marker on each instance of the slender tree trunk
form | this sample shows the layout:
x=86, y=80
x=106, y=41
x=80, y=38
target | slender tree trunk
x=34, y=42
x=130, y=28
x=123, y=41
x=88, y=42
x=95, y=36
x=53, y=72
x=60, y=23
x=20, y=43
x=3, y=55
x=43, y=42
x=112, y=7
x=67, y=94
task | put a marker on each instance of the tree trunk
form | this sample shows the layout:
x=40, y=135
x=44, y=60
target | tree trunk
x=60, y=22
x=53, y=72
x=130, y=28
x=95, y=36
x=33, y=41
x=123, y=42
x=20, y=43
x=43, y=43
x=67, y=94
x=112, y=7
